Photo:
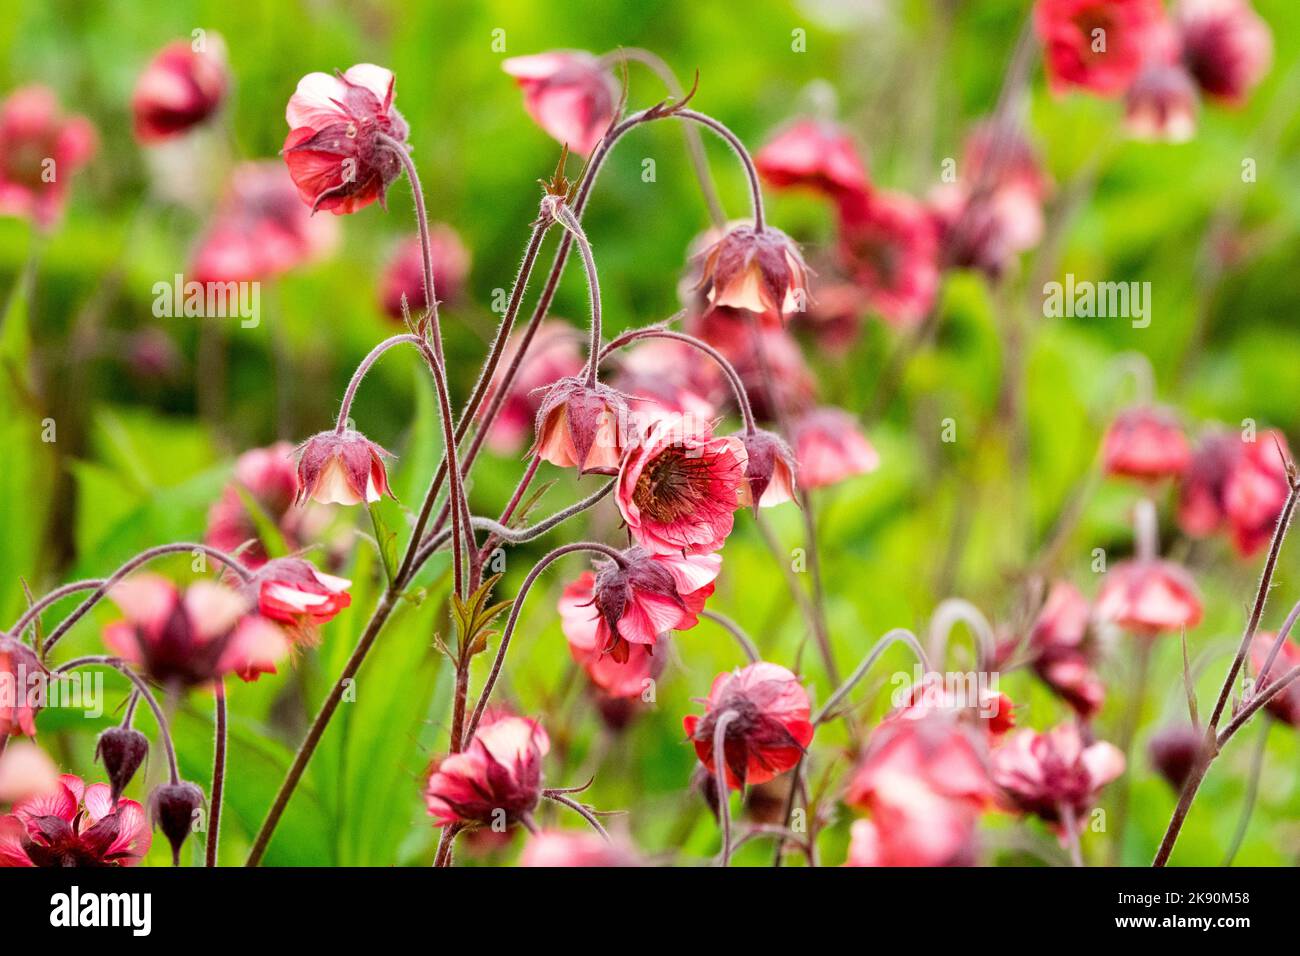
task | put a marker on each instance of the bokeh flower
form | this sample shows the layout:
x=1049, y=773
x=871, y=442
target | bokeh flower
x=40, y=151
x=74, y=825
x=404, y=274
x=182, y=86
x=568, y=94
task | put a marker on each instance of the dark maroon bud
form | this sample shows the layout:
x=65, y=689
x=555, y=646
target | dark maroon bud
x=1173, y=752
x=171, y=808
x=706, y=785
x=122, y=749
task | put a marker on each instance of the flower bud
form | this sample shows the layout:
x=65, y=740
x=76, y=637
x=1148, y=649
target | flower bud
x=344, y=469
x=1173, y=752
x=770, y=471
x=763, y=272
x=122, y=749
x=171, y=807
x=581, y=426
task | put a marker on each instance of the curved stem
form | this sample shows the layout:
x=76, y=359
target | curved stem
x=720, y=778
x=564, y=216
x=361, y=371
x=735, y=630
x=728, y=370
x=559, y=797
x=897, y=635
x=142, y=558
x=694, y=145
x=142, y=689
x=1280, y=640
x=732, y=140
x=34, y=610
x=218, y=777
x=1256, y=702
x=546, y=560
x=449, y=833
x=950, y=612
x=508, y=511
x=1252, y=792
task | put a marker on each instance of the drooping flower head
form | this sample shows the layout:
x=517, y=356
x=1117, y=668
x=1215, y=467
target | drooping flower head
x=762, y=272
x=568, y=94
x=335, y=149
x=1226, y=46
x=1062, y=654
x=261, y=229
x=814, y=154
x=924, y=781
x=770, y=470
x=22, y=684
x=830, y=448
x=193, y=638
x=889, y=246
x=40, y=151
x=582, y=426
x=266, y=477
x=74, y=825
x=1096, y=45
x=1149, y=598
x=404, y=274
x=1161, y=105
x=345, y=469
x=497, y=778
x=639, y=601
x=299, y=597
x=553, y=353
x=588, y=635
x=1235, y=485
x=181, y=87
x=1145, y=443
x=769, y=731
x=1285, y=705
x=1047, y=773
x=679, y=487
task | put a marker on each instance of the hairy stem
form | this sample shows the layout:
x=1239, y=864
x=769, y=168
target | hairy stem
x=747, y=161
x=218, y=777
x=736, y=631
x=361, y=371
x=720, y=778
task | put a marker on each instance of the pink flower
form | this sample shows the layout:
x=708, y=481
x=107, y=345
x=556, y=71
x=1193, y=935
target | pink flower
x=662, y=376
x=991, y=711
x=194, y=638
x=770, y=469
x=834, y=316
x=40, y=150
x=293, y=593
x=767, y=358
x=1149, y=598
x=639, y=602
x=1062, y=655
x=1145, y=443
x=260, y=229
x=582, y=426
x=1161, y=105
x=335, y=149
x=1237, y=485
x=568, y=94
x=830, y=447
x=404, y=275
x=761, y=272
x=497, y=778
x=770, y=729
x=552, y=354
x=345, y=469
x=22, y=683
x=815, y=154
x=924, y=782
x=268, y=477
x=179, y=89
x=74, y=825
x=588, y=634
x=555, y=848
x=1096, y=45
x=26, y=771
x=679, y=487
x=1285, y=705
x=889, y=246
x=1046, y=774
x=1226, y=45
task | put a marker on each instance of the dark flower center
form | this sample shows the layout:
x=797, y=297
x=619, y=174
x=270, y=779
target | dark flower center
x=671, y=486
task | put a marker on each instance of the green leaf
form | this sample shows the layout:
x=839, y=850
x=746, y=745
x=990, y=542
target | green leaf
x=386, y=540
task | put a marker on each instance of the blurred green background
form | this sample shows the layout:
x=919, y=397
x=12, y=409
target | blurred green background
x=133, y=465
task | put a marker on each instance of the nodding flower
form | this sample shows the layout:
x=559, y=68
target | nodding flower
x=299, y=597
x=582, y=426
x=770, y=470
x=1145, y=443
x=831, y=448
x=1062, y=651
x=40, y=151
x=404, y=274
x=1226, y=46
x=769, y=729
x=336, y=149
x=1054, y=775
x=1096, y=45
x=814, y=154
x=568, y=94
x=342, y=468
x=762, y=272
x=1285, y=705
x=889, y=247
x=496, y=779
x=20, y=671
x=1149, y=598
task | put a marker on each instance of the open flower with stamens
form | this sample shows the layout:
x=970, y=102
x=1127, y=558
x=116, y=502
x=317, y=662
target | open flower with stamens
x=830, y=448
x=815, y=154
x=1145, y=443
x=496, y=779
x=180, y=88
x=770, y=729
x=760, y=271
x=582, y=426
x=342, y=468
x=74, y=825
x=1054, y=774
x=22, y=683
x=1149, y=598
x=295, y=594
x=679, y=487
x=638, y=602
x=193, y=638
x=568, y=94
x=335, y=149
